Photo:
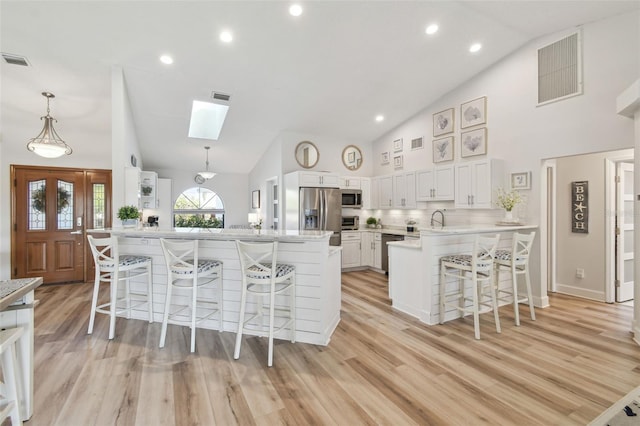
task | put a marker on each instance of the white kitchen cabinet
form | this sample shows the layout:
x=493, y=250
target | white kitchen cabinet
x=476, y=183
x=404, y=190
x=350, y=182
x=317, y=179
x=148, y=190
x=436, y=184
x=131, y=187
x=372, y=199
x=371, y=249
x=385, y=192
x=350, y=249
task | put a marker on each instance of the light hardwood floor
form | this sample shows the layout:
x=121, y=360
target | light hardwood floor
x=381, y=367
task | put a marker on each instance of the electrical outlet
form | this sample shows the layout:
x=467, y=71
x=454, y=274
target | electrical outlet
x=579, y=273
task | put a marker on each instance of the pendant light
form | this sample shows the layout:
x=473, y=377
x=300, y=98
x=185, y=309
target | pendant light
x=48, y=143
x=207, y=174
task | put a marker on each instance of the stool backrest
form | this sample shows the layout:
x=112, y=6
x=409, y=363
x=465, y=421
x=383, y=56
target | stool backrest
x=484, y=251
x=257, y=261
x=521, y=249
x=180, y=256
x=105, y=252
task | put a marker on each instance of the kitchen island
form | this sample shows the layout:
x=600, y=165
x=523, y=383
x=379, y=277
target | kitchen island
x=317, y=272
x=414, y=266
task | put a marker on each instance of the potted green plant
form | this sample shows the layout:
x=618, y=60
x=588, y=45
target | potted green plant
x=146, y=190
x=371, y=222
x=129, y=216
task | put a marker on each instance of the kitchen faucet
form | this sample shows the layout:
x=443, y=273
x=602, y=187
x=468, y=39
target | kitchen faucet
x=439, y=222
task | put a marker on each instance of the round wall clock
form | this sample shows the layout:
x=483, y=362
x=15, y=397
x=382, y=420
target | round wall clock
x=199, y=179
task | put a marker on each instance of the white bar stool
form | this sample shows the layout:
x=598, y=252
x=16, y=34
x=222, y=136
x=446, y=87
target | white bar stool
x=516, y=260
x=186, y=270
x=109, y=263
x=478, y=267
x=12, y=386
x=263, y=278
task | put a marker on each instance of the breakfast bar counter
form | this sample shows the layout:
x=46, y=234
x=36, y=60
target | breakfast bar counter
x=414, y=267
x=317, y=272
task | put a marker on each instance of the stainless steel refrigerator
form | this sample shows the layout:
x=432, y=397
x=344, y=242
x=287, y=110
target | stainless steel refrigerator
x=321, y=209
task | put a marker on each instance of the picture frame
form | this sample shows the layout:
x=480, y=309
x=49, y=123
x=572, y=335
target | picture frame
x=521, y=180
x=473, y=142
x=443, y=149
x=384, y=158
x=397, y=145
x=443, y=122
x=255, y=199
x=417, y=143
x=397, y=162
x=351, y=157
x=473, y=113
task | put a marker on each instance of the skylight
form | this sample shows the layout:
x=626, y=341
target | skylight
x=207, y=119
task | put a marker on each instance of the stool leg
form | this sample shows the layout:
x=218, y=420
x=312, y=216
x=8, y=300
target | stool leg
x=292, y=308
x=150, y=292
x=243, y=307
x=514, y=289
x=443, y=288
x=272, y=302
x=165, y=317
x=220, y=301
x=94, y=301
x=529, y=295
x=194, y=297
x=113, y=289
x=494, y=304
x=476, y=309
x=127, y=293
x=9, y=364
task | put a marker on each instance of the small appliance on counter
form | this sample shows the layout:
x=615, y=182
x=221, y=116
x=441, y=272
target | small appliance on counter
x=152, y=220
x=350, y=223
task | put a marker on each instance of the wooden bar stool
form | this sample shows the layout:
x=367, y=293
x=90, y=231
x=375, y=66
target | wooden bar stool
x=478, y=267
x=516, y=260
x=188, y=271
x=109, y=265
x=12, y=385
x=264, y=278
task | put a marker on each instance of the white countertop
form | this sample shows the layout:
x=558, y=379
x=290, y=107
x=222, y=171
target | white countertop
x=475, y=229
x=217, y=233
x=393, y=231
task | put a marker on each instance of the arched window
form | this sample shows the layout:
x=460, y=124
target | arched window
x=198, y=208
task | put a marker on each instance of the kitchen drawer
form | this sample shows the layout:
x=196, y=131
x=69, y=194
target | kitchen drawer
x=350, y=236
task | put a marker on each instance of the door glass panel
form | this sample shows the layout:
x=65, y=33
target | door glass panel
x=98, y=206
x=37, y=206
x=628, y=241
x=628, y=271
x=65, y=205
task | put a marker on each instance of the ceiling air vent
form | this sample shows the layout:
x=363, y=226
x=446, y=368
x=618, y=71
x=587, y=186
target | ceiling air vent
x=220, y=96
x=560, y=70
x=15, y=59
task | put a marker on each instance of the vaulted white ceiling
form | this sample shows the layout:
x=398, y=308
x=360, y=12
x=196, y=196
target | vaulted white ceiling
x=329, y=71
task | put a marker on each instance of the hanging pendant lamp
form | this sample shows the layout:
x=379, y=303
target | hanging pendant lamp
x=207, y=174
x=48, y=143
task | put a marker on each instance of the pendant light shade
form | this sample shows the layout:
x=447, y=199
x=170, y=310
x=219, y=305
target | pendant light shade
x=207, y=174
x=48, y=143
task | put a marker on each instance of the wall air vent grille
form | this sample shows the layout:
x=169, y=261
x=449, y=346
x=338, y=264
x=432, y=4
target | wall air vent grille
x=560, y=70
x=15, y=60
x=220, y=96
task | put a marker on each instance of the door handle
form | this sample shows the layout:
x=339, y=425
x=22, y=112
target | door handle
x=76, y=233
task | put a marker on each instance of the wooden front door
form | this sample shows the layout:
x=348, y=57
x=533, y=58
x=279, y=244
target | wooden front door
x=50, y=207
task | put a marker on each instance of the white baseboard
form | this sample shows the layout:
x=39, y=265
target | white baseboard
x=580, y=292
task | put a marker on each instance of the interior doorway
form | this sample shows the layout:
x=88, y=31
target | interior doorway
x=624, y=226
x=51, y=209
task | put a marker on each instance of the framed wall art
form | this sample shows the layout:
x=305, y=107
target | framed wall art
x=416, y=143
x=255, y=199
x=443, y=149
x=443, y=122
x=384, y=158
x=397, y=162
x=521, y=180
x=473, y=113
x=397, y=145
x=473, y=142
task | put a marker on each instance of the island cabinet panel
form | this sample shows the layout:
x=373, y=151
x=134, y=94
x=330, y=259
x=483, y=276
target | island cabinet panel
x=317, y=281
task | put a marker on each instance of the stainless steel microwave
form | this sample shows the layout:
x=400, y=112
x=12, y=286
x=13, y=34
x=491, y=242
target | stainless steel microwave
x=352, y=198
x=350, y=223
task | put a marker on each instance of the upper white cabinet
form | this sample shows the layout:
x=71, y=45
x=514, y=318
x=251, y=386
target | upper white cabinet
x=348, y=182
x=317, y=179
x=476, y=183
x=435, y=184
x=149, y=190
x=385, y=192
x=132, y=187
x=404, y=190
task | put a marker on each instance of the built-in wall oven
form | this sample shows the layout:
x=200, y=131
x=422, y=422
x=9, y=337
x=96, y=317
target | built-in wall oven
x=350, y=223
x=352, y=198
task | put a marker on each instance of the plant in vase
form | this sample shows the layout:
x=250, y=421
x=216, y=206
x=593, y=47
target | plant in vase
x=508, y=200
x=129, y=216
x=371, y=222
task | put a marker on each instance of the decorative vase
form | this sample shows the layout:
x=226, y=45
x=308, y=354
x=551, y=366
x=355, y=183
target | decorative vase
x=129, y=223
x=508, y=216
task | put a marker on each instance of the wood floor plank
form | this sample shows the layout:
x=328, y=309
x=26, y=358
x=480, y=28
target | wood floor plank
x=381, y=367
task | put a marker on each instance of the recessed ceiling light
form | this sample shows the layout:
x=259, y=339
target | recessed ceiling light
x=226, y=36
x=475, y=47
x=379, y=118
x=166, y=59
x=295, y=10
x=432, y=29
